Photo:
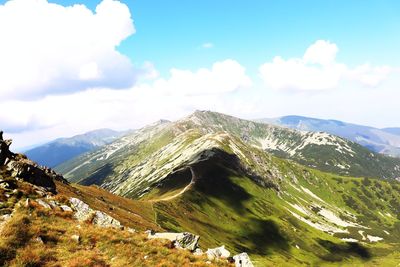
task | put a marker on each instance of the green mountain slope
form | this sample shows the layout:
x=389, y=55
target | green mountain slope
x=210, y=174
x=134, y=156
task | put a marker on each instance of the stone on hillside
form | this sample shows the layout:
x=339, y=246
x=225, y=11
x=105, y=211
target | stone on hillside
x=105, y=220
x=198, y=252
x=242, y=260
x=38, y=240
x=44, y=204
x=131, y=230
x=76, y=238
x=27, y=203
x=82, y=210
x=65, y=208
x=186, y=241
x=216, y=253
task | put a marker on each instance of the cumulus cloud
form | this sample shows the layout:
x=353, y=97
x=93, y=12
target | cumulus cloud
x=318, y=70
x=180, y=93
x=222, y=77
x=47, y=48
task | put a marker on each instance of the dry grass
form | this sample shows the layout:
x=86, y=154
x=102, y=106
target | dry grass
x=131, y=213
x=39, y=237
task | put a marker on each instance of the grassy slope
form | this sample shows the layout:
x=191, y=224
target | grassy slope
x=233, y=210
x=19, y=245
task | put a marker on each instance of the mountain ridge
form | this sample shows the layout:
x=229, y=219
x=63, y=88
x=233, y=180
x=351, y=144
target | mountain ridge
x=386, y=140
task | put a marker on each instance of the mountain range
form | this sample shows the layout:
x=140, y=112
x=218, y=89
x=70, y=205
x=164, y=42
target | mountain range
x=386, y=140
x=60, y=150
x=286, y=197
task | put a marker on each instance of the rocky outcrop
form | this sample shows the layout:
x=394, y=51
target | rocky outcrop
x=184, y=240
x=216, y=253
x=84, y=213
x=242, y=260
x=20, y=167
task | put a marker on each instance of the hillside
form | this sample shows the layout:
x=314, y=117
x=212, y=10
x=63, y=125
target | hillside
x=210, y=174
x=386, y=141
x=45, y=221
x=154, y=146
x=63, y=149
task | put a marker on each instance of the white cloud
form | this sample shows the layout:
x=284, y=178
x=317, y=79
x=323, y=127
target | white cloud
x=211, y=88
x=47, y=48
x=224, y=76
x=207, y=45
x=318, y=70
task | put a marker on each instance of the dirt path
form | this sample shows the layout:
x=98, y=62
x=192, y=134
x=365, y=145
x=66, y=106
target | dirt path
x=182, y=191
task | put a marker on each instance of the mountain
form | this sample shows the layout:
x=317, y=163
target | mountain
x=58, y=151
x=46, y=221
x=219, y=177
x=125, y=158
x=395, y=131
x=386, y=141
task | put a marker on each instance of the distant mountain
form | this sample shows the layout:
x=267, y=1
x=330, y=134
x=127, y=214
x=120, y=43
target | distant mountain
x=386, y=141
x=392, y=130
x=63, y=149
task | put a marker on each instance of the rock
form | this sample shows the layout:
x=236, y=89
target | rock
x=65, y=208
x=186, y=241
x=76, y=238
x=82, y=210
x=216, y=253
x=198, y=252
x=242, y=260
x=179, y=240
x=39, y=240
x=105, y=220
x=27, y=203
x=131, y=230
x=43, y=203
x=21, y=167
x=54, y=204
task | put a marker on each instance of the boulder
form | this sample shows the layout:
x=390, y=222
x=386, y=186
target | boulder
x=65, y=208
x=21, y=167
x=242, y=260
x=76, y=238
x=82, y=210
x=179, y=240
x=216, y=253
x=186, y=241
x=105, y=220
x=198, y=252
x=43, y=203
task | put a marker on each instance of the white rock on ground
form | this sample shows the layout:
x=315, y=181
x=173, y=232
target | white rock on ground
x=242, y=260
x=43, y=203
x=216, y=253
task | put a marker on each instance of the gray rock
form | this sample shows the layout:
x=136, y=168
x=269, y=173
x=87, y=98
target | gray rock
x=39, y=240
x=105, y=220
x=131, y=230
x=82, y=210
x=27, y=203
x=198, y=252
x=242, y=260
x=65, y=208
x=43, y=203
x=216, y=253
x=186, y=241
x=76, y=238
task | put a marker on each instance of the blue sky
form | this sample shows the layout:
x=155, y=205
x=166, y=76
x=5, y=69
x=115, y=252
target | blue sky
x=169, y=33
x=328, y=59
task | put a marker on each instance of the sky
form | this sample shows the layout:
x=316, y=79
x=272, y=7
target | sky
x=71, y=66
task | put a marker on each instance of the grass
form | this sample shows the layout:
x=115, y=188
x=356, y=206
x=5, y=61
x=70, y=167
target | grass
x=97, y=246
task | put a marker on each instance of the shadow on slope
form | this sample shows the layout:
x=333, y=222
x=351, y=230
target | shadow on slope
x=339, y=252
